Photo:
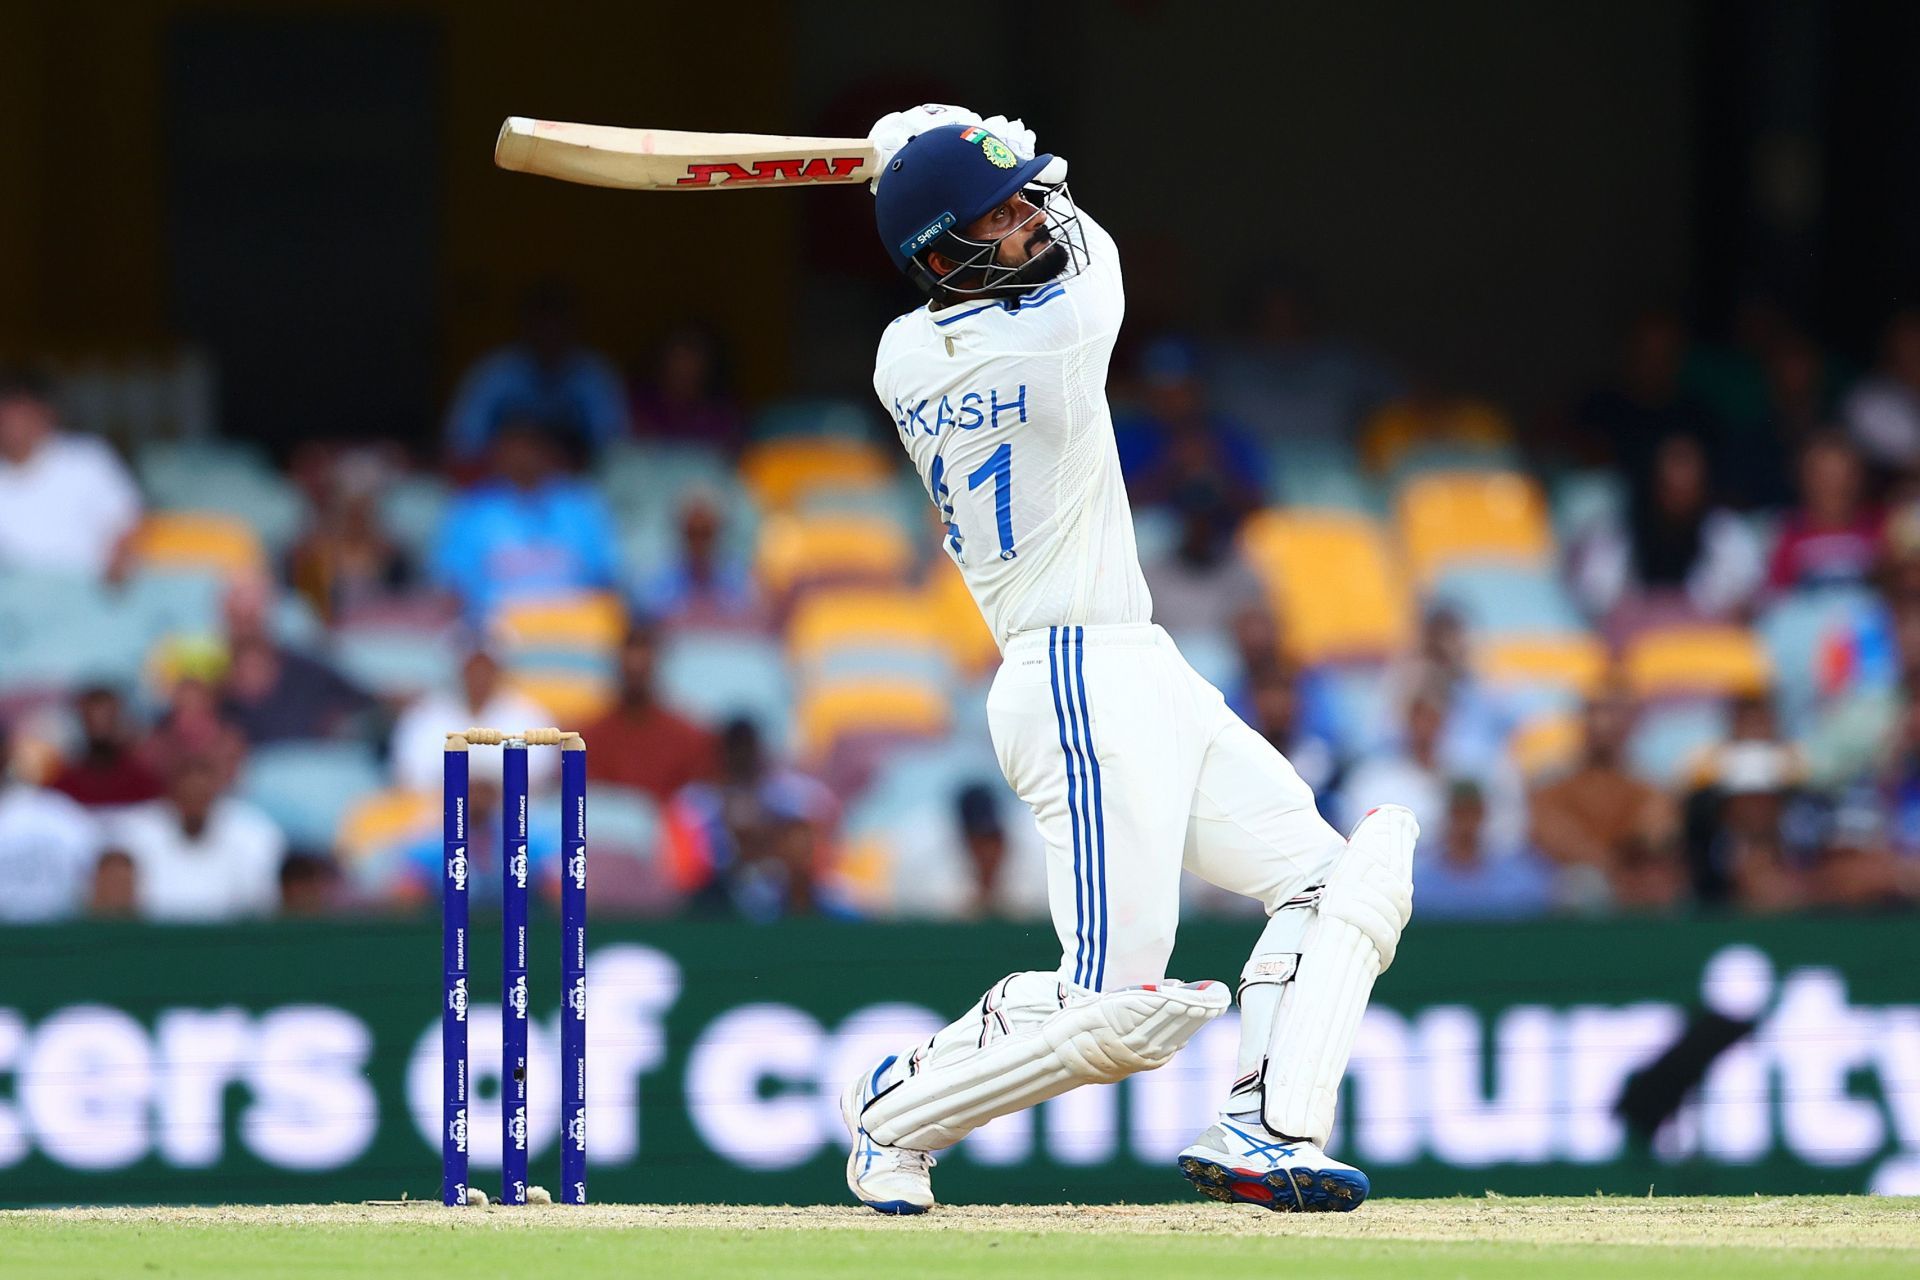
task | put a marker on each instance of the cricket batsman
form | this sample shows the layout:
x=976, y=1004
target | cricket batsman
x=1131, y=762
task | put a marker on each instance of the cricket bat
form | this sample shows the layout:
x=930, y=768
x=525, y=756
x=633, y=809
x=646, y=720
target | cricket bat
x=668, y=160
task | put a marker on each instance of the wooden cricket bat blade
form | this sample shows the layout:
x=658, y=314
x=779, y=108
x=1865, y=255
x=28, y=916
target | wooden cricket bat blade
x=672, y=160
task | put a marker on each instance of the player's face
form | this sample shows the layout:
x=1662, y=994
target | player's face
x=1017, y=228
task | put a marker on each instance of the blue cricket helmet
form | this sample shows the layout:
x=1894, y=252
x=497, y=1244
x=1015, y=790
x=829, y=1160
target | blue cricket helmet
x=941, y=182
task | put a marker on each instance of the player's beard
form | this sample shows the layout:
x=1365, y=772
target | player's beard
x=1043, y=266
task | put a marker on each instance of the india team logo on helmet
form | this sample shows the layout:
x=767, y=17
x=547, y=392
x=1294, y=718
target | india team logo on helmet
x=996, y=151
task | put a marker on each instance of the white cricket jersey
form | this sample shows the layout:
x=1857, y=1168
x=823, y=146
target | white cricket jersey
x=1003, y=409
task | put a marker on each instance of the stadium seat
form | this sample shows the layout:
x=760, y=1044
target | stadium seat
x=396, y=662
x=306, y=787
x=1668, y=738
x=223, y=478
x=1452, y=517
x=1320, y=475
x=861, y=617
x=571, y=698
x=1574, y=661
x=1546, y=744
x=830, y=713
x=383, y=822
x=1711, y=661
x=1582, y=499
x=1335, y=586
x=814, y=417
x=962, y=628
x=198, y=540
x=594, y=620
x=831, y=549
x=1507, y=600
x=713, y=676
x=1396, y=437
x=781, y=471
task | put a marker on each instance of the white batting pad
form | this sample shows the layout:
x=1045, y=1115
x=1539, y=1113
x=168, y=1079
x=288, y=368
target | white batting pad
x=1352, y=939
x=960, y=1079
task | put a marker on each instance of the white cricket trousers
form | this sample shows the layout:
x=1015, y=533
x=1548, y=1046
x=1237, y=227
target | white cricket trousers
x=1134, y=768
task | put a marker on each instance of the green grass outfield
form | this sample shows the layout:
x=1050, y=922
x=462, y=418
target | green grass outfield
x=1813, y=1236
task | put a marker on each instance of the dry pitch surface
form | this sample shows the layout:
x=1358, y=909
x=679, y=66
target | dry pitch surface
x=1850, y=1237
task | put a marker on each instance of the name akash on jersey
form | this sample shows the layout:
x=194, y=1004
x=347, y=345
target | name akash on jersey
x=1132, y=764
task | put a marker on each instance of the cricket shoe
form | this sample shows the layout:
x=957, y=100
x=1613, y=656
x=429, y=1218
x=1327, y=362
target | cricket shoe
x=885, y=1179
x=1243, y=1164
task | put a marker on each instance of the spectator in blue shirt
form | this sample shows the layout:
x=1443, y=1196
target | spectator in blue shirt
x=704, y=585
x=548, y=375
x=1463, y=882
x=1177, y=443
x=528, y=532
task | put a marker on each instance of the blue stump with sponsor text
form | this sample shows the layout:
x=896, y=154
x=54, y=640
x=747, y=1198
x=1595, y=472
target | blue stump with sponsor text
x=514, y=1001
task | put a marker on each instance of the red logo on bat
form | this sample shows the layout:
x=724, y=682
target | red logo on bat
x=762, y=172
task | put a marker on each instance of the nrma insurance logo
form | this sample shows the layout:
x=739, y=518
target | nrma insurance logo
x=457, y=1130
x=517, y=998
x=518, y=1130
x=577, y=998
x=457, y=1000
x=577, y=1132
x=457, y=867
x=517, y=867
x=577, y=867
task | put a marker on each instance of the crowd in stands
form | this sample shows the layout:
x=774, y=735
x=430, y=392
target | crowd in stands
x=1656, y=652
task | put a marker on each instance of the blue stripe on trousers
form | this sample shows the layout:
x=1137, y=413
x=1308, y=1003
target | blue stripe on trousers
x=1099, y=816
x=1073, y=811
x=1072, y=642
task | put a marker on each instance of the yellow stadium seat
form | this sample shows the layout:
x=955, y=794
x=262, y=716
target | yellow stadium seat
x=830, y=712
x=1447, y=517
x=199, y=540
x=1333, y=583
x=831, y=548
x=570, y=698
x=1546, y=745
x=1575, y=661
x=384, y=820
x=963, y=630
x=1405, y=425
x=888, y=618
x=782, y=471
x=1716, y=660
x=594, y=620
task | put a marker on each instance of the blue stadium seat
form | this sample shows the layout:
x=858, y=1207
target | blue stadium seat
x=61, y=630
x=227, y=478
x=1506, y=599
x=1580, y=499
x=715, y=675
x=396, y=662
x=918, y=775
x=308, y=787
x=1669, y=737
x=1320, y=474
x=815, y=417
